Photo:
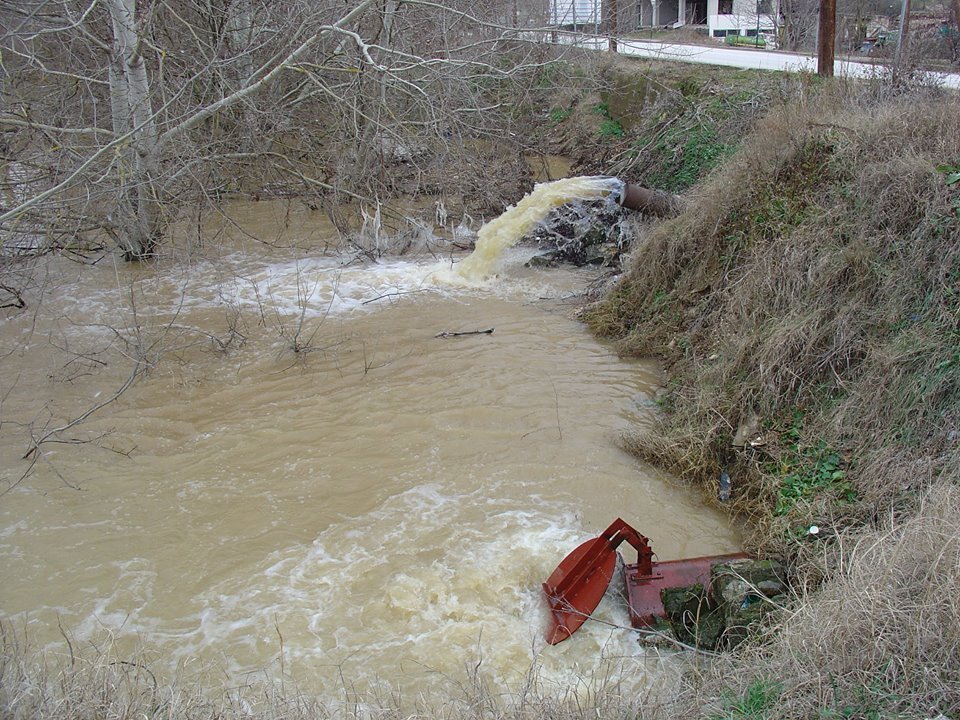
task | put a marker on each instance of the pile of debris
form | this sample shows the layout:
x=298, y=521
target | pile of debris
x=721, y=615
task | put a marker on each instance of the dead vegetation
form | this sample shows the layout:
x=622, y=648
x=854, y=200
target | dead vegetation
x=807, y=306
x=879, y=639
x=100, y=682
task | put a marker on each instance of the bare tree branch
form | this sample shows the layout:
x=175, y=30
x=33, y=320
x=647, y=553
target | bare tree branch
x=36, y=442
x=26, y=123
x=267, y=78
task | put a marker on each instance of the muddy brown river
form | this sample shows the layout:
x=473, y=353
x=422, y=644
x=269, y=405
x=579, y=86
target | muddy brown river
x=377, y=509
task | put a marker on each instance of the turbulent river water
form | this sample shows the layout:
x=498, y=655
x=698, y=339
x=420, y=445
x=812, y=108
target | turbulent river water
x=377, y=509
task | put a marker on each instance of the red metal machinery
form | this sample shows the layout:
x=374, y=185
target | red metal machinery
x=575, y=588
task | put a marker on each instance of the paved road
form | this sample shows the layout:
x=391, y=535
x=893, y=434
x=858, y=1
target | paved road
x=738, y=57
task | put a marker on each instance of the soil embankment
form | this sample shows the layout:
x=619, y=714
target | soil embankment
x=806, y=305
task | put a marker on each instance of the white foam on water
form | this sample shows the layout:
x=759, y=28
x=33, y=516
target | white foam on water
x=309, y=289
x=321, y=286
x=396, y=597
x=122, y=610
x=432, y=580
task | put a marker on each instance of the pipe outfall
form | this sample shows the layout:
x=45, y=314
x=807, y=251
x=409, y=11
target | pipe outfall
x=655, y=202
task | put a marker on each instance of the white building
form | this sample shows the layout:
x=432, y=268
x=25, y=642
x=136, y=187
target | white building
x=575, y=12
x=722, y=17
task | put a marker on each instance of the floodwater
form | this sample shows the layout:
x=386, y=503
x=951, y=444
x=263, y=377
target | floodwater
x=306, y=481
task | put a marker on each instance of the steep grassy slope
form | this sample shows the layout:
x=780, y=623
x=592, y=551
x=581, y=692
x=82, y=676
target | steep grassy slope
x=664, y=125
x=807, y=306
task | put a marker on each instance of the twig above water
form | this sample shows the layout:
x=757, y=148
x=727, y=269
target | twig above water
x=446, y=334
x=394, y=294
x=36, y=442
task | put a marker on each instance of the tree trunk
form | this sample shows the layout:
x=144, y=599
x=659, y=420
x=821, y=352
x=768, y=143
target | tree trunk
x=901, y=57
x=132, y=111
x=372, y=145
x=240, y=34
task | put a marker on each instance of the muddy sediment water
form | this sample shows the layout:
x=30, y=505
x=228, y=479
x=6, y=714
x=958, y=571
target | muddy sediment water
x=380, y=506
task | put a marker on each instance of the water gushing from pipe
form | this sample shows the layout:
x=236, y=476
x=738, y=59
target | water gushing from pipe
x=506, y=230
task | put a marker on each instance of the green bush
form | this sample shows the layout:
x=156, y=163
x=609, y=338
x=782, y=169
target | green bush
x=610, y=128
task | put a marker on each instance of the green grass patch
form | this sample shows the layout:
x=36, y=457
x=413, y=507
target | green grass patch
x=806, y=469
x=758, y=702
x=696, y=128
x=952, y=180
x=866, y=702
x=602, y=109
x=692, y=155
x=952, y=172
x=610, y=128
x=556, y=73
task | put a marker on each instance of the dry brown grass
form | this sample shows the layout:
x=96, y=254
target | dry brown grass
x=880, y=639
x=818, y=271
x=814, y=284
x=100, y=683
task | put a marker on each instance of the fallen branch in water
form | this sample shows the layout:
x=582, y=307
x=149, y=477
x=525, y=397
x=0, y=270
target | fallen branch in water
x=446, y=334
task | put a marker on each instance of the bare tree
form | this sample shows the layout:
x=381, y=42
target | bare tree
x=119, y=112
x=798, y=23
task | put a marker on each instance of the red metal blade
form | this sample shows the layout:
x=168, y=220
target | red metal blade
x=575, y=588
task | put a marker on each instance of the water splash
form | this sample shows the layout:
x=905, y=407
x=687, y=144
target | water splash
x=506, y=230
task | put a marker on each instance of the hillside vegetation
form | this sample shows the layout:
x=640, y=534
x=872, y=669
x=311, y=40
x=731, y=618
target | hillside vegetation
x=807, y=307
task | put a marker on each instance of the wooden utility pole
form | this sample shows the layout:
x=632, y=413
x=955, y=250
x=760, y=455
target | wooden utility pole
x=903, y=41
x=826, y=37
